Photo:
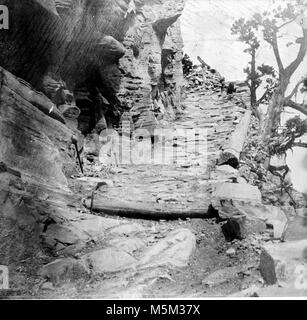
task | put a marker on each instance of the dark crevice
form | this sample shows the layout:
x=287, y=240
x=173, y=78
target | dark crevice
x=47, y=223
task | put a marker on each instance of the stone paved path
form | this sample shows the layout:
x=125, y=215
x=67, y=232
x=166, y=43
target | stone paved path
x=181, y=187
x=155, y=257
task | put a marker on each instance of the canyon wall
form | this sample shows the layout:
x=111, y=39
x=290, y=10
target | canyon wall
x=69, y=68
x=113, y=56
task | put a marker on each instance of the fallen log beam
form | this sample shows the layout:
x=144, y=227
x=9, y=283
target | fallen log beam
x=231, y=154
x=128, y=209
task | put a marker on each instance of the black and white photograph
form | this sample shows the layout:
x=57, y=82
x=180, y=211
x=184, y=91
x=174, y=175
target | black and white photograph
x=153, y=150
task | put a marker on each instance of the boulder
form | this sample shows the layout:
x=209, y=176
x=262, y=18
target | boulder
x=227, y=169
x=109, y=260
x=77, y=232
x=283, y=261
x=60, y=236
x=64, y=269
x=297, y=226
x=236, y=191
x=95, y=226
x=111, y=48
x=225, y=172
x=174, y=250
x=244, y=218
x=273, y=216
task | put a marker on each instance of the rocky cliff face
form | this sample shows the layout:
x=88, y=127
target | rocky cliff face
x=113, y=56
x=82, y=63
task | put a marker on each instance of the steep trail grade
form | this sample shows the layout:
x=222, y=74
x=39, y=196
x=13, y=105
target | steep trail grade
x=152, y=234
x=174, y=190
x=166, y=253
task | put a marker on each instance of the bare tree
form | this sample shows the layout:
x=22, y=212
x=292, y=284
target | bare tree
x=270, y=24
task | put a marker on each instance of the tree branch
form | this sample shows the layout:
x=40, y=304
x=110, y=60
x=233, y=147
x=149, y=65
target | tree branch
x=295, y=90
x=300, y=144
x=288, y=22
x=300, y=56
x=277, y=54
x=248, y=84
x=296, y=106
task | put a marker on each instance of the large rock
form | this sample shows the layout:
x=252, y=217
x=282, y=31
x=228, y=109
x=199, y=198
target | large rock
x=246, y=217
x=59, y=236
x=225, y=172
x=174, y=250
x=76, y=232
x=64, y=270
x=19, y=219
x=236, y=191
x=111, y=48
x=36, y=148
x=109, y=260
x=273, y=216
x=32, y=140
x=297, y=227
x=283, y=261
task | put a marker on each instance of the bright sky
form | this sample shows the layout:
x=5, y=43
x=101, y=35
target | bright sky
x=206, y=32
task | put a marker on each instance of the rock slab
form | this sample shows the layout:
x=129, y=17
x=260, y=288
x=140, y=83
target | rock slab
x=281, y=261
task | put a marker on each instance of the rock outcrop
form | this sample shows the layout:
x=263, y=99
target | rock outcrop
x=82, y=64
x=112, y=55
x=36, y=159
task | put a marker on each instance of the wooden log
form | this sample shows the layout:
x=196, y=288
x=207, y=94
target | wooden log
x=144, y=210
x=231, y=154
x=37, y=99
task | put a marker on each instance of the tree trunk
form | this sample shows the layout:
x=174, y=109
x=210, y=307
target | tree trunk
x=231, y=154
x=272, y=118
x=253, y=80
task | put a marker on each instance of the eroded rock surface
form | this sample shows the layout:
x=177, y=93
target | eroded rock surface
x=113, y=56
